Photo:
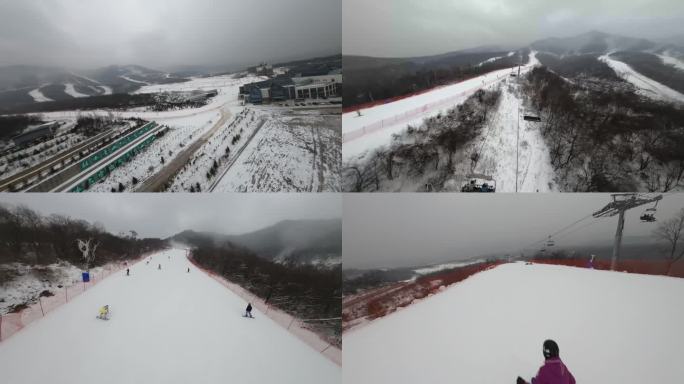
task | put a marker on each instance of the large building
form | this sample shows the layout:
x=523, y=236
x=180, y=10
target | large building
x=318, y=87
x=285, y=88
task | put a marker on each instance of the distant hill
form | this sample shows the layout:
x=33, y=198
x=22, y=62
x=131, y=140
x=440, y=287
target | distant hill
x=19, y=84
x=290, y=241
x=592, y=42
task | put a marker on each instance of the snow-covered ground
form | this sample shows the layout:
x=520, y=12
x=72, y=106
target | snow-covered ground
x=646, y=86
x=18, y=161
x=38, y=96
x=611, y=327
x=182, y=132
x=671, y=60
x=376, y=125
x=71, y=91
x=440, y=267
x=26, y=282
x=242, y=125
x=134, y=81
x=498, y=151
x=167, y=326
x=296, y=152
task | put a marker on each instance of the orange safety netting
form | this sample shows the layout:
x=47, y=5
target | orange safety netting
x=12, y=323
x=294, y=325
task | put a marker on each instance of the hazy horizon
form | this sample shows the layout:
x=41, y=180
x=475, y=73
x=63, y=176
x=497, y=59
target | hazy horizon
x=405, y=230
x=401, y=28
x=163, y=34
x=164, y=215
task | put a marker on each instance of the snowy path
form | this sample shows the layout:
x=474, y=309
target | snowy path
x=645, y=85
x=611, y=328
x=499, y=151
x=38, y=96
x=168, y=327
x=71, y=91
x=376, y=126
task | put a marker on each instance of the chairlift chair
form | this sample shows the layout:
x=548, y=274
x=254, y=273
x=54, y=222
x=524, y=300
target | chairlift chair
x=479, y=183
x=648, y=216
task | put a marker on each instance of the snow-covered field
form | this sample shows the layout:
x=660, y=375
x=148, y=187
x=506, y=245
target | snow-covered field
x=440, y=267
x=71, y=91
x=645, y=86
x=182, y=132
x=242, y=125
x=18, y=161
x=167, y=326
x=673, y=61
x=388, y=119
x=296, y=152
x=28, y=282
x=38, y=96
x=611, y=327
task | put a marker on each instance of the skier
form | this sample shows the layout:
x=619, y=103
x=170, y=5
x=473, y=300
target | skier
x=553, y=371
x=159, y=267
x=248, y=311
x=104, y=313
x=188, y=269
x=128, y=272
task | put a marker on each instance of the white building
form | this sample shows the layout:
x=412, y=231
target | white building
x=315, y=87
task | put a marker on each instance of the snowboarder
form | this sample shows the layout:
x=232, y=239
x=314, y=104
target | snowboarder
x=128, y=271
x=553, y=371
x=248, y=311
x=159, y=267
x=104, y=313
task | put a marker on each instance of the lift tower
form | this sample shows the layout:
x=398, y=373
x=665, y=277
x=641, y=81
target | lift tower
x=621, y=203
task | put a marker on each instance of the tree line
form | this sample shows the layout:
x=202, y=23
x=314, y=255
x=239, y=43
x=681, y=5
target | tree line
x=304, y=291
x=27, y=236
x=604, y=137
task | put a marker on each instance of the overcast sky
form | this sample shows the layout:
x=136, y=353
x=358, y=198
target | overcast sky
x=163, y=33
x=401, y=230
x=404, y=28
x=163, y=215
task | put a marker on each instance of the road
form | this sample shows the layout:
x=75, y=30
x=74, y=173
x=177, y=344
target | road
x=159, y=181
x=49, y=163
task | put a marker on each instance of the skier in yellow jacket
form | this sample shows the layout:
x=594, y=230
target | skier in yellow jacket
x=104, y=312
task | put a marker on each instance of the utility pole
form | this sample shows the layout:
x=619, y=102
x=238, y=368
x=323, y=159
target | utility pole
x=620, y=204
x=517, y=149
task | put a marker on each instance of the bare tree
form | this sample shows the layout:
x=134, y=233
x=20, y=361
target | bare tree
x=88, y=249
x=671, y=231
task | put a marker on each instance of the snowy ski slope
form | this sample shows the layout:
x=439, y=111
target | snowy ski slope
x=167, y=326
x=431, y=102
x=646, y=86
x=611, y=328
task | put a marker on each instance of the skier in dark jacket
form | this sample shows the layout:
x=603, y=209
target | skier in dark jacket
x=248, y=311
x=553, y=371
x=128, y=272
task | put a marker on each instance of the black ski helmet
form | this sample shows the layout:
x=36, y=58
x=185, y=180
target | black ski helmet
x=550, y=349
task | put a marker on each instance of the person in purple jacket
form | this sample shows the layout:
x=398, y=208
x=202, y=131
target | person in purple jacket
x=553, y=371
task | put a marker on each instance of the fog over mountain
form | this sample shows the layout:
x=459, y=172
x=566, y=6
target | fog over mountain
x=165, y=34
x=404, y=28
